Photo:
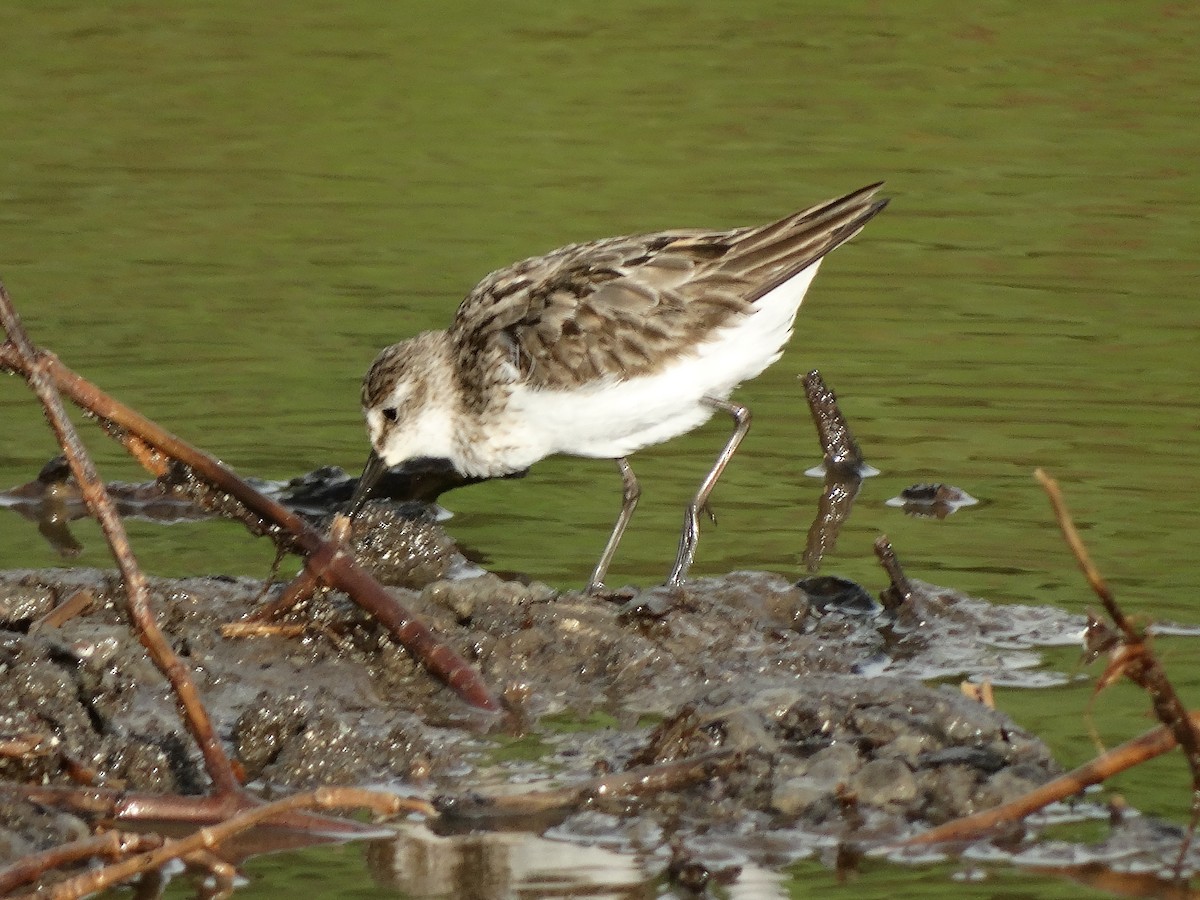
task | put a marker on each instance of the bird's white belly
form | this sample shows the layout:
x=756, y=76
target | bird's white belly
x=615, y=418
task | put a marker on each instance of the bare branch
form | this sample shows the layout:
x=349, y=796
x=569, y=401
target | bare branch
x=155, y=448
x=1131, y=753
x=212, y=836
x=195, y=717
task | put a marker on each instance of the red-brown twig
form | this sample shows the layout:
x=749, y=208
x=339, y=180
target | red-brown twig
x=126, y=807
x=1065, y=524
x=207, y=838
x=26, y=744
x=155, y=447
x=1133, y=657
x=112, y=844
x=192, y=710
x=1131, y=753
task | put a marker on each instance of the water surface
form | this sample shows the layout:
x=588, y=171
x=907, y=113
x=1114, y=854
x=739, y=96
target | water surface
x=220, y=213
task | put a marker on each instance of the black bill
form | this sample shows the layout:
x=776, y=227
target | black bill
x=370, y=476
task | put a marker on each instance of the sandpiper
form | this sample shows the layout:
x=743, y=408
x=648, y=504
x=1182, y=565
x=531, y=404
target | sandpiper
x=602, y=348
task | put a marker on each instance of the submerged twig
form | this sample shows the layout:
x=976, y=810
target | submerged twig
x=207, y=838
x=639, y=781
x=139, y=807
x=110, y=844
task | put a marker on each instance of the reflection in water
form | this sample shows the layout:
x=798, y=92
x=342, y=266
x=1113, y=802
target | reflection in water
x=492, y=866
x=833, y=508
x=842, y=466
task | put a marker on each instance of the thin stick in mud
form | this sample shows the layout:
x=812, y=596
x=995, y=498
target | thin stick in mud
x=380, y=802
x=1132, y=753
x=162, y=451
x=216, y=762
x=229, y=804
x=1132, y=657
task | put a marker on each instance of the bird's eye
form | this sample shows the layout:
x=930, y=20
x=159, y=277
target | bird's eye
x=389, y=413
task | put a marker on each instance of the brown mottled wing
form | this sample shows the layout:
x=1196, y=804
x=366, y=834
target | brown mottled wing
x=621, y=307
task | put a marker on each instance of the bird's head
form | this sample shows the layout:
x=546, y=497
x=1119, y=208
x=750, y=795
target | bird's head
x=409, y=404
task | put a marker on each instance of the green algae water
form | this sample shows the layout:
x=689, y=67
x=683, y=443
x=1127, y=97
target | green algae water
x=220, y=212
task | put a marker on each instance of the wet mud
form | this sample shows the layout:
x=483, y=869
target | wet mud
x=822, y=692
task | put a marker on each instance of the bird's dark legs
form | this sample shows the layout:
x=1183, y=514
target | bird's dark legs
x=630, y=492
x=691, y=517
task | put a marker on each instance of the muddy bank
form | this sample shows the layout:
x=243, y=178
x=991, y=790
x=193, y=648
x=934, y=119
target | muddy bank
x=814, y=683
